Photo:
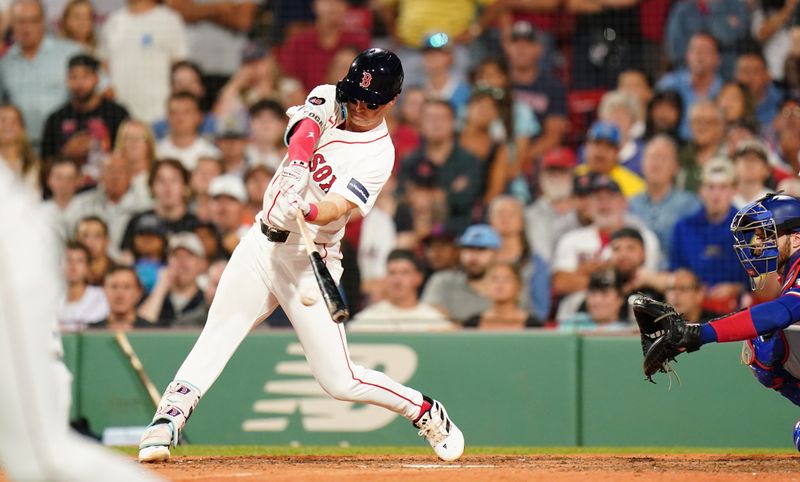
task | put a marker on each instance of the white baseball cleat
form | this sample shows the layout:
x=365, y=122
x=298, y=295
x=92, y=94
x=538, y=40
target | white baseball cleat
x=154, y=446
x=443, y=435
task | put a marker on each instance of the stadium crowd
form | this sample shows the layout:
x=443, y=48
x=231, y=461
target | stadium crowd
x=552, y=157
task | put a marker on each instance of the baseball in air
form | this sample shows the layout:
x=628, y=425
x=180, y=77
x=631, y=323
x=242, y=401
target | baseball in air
x=309, y=295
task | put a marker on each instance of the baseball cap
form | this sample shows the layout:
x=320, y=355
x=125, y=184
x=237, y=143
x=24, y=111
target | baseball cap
x=424, y=174
x=189, y=241
x=232, y=127
x=522, y=30
x=559, y=158
x=582, y=185
x=602, y=279
x=406, y=255
x=436, y=41
x=604, y=183
x=254, y=51
x=438, y=233
x=751, y=146
x=480, y=236
x=719, y=169
x=228, y=185
x=149, y=224
x=603, y=132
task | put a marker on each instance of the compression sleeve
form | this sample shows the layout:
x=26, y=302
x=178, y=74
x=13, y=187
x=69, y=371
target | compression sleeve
x=303, y=140
x=763, y=319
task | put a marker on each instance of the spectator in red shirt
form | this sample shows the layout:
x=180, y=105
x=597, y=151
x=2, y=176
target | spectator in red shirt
x=306, y=55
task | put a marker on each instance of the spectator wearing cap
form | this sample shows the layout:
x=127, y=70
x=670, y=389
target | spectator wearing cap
x=504, y=285
x=123, y=291
x=662, y=203
x=139, y=44
x=33, y=70
x=752, y=72
x=400, y=309
x=267, y=126
x=217, y=34
x=169, y=183
x=602, y=158
x=227, y=209
x=460, y=293
x=148, y=244
x=87, y=124
x=232, y=134
x=506, y=216
x=206, y=170
x=83, y=304
x=707, y=123
x=701, y=241
x=441, y=82
x=699, y=80
x=604, y=302
x=555, y=201
x=579, y=216
x=456, y=172
x=751, y=163
x=176, y=300
x=584, y=250
x=186, y=76
x=112, y=200
x=184, y=141
x=317, y=46
x=538, y=89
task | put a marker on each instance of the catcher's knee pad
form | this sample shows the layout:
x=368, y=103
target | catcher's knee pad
x=765, y=355
x=177, y=404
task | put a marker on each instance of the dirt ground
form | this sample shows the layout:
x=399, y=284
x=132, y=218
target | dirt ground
x=556, y=468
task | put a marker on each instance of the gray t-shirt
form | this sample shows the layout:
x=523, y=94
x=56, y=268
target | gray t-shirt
x=218, y=50
x=449, y=289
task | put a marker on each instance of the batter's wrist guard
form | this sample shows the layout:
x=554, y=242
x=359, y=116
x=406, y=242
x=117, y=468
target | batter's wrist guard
x=177, y=405
x=313, y=212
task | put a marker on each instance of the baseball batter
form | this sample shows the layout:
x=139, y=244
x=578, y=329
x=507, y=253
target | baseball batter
x=35, y=441
x=340, y=155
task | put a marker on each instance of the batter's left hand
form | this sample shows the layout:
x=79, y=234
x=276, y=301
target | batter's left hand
x=295, y=176
x=290, y=202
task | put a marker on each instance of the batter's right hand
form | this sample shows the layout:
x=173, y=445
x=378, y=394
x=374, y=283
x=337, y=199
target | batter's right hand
x=290, y=202
x=295, y=176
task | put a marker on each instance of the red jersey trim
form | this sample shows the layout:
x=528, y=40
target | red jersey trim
x=355, y=142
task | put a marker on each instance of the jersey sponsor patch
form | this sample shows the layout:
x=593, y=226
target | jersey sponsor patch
x=316, y=100
x=358, y=189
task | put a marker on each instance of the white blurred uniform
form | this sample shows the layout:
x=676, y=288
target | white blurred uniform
x=35, y=440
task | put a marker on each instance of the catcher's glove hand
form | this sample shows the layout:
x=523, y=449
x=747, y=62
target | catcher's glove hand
x=665, y=334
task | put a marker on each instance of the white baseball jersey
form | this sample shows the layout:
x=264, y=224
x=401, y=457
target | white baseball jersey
x=354, y=165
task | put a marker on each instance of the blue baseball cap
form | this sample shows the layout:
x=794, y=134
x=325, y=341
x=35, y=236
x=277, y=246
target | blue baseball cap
x=604, y=132
x=436, y=41
x=480, y=236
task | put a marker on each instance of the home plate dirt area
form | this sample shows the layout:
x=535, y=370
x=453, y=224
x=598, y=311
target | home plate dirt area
x=595, y=467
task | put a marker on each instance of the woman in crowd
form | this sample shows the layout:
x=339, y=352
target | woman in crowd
x=664, y=113
x=84, y=304
x=15, y=150
x=77, y=24
x=504, y=285
x=137, y=145
x=623, y=111
x=736, y=103
x=92, y=232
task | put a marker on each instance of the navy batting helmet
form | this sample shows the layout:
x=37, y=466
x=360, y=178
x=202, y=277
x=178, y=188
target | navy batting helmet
x=375, y=77
x=756, y=229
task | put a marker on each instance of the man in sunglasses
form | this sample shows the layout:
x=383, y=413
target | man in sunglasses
x=340, y=155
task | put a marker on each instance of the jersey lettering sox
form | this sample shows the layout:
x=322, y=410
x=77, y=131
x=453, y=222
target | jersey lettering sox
x=355, y=165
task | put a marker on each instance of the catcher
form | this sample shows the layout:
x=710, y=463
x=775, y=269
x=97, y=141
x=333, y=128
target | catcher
x=766, y=240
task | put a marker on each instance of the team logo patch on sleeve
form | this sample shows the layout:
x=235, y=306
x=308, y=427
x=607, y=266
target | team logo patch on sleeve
x=358, y=189
x=316, y=100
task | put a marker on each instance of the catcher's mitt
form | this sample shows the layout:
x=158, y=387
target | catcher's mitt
x=665, y=334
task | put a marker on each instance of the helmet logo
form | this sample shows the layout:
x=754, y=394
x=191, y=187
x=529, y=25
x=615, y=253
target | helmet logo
x=366, y=79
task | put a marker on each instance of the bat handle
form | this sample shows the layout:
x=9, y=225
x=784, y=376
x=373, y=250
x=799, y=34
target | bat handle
x=301, y=222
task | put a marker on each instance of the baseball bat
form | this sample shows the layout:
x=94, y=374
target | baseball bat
x=125, y=345
x=330, y=292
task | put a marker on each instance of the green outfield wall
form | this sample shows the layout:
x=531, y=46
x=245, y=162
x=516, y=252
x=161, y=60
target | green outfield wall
x=526, y=388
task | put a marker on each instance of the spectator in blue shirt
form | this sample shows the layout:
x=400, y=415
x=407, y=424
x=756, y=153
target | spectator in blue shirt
x=728, y=21
x=701, y=241
x=33, y=72
x=700, y=78
x=751, y=70
x=662, y=204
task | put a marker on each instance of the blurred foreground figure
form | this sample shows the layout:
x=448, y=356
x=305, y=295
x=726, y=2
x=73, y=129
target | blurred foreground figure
x=35, y=441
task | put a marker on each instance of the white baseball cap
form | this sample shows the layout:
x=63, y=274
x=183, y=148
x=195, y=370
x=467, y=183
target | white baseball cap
x=228, y=185
x=189, y=241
